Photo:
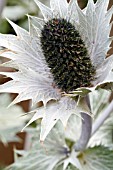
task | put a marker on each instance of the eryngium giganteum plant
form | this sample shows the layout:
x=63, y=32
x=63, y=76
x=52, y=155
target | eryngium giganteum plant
x=63, y=57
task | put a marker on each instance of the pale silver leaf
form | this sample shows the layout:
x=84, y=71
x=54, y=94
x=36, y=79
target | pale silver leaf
x=46, y=11
x=59, y=8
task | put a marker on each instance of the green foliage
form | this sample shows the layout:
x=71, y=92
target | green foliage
x=97, y=158
x=1, y=168
x=16, y=11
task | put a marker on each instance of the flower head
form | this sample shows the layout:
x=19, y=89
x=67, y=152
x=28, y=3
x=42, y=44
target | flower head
x=63, y=53
x=66, y=55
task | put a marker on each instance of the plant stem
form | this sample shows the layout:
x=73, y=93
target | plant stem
x=102, y=117
x=85, y=131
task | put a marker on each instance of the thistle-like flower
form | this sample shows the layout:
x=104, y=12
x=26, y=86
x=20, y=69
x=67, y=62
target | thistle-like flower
x=64, y=53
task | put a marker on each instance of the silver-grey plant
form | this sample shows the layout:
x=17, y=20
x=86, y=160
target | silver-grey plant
x=61, y=61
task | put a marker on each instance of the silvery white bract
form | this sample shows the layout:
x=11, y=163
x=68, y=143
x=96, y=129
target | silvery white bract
x=45, y=156
x=55, y=154
x=34, y=80
x=11, y=121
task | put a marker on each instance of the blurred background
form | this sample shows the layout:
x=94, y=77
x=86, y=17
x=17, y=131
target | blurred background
x=16, y=11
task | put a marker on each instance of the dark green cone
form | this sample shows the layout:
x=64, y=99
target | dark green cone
x=66, y=55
